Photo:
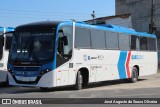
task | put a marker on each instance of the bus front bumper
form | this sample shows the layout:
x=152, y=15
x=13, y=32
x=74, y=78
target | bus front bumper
x=46, y=80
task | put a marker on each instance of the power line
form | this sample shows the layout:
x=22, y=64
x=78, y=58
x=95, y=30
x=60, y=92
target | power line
x=19, y=17
x=41, y=15
x=38, y=18
x=33, y=11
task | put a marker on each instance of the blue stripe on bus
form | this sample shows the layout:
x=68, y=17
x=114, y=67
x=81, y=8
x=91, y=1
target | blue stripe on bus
x=117, y=29
x=121, y=64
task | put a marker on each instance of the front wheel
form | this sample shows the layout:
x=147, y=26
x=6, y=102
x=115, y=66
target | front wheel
x=79, y=81
x=134, y=76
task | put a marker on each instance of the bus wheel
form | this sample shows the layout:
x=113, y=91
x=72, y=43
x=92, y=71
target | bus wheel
x=134, y=76
x=79, y=81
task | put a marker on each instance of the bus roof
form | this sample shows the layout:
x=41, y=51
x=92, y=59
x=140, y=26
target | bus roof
x=9, y=29
x=49, y=25
x=115, y=28
x=40, y=26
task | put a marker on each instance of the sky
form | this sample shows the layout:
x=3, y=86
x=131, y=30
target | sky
x=17, y=12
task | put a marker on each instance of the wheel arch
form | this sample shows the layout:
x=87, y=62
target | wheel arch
x=85, y=72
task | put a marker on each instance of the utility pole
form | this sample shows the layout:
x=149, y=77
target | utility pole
x=152, y=27
x=93, y=16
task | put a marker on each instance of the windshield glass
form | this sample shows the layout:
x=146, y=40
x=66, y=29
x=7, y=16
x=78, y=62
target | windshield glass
x=32, y=47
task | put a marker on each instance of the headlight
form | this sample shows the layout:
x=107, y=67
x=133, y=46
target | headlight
x=44, y=71
x=10, y=71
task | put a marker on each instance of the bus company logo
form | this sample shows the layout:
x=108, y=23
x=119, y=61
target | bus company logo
x=137, y=57
x=100, y=57
x=89, y=57
x=85, y=57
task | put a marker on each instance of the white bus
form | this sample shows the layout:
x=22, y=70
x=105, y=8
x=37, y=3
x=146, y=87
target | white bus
x=52, y=54
x=5, y=42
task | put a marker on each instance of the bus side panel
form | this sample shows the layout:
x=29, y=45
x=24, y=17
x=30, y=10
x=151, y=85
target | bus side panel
x=102, y=64
x=47, y=80
x=146, y=61
x=62, y=75
x=115, y=64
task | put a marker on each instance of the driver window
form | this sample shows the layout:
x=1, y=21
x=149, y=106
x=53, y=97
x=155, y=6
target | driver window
x=65, y=44
x=65, y=41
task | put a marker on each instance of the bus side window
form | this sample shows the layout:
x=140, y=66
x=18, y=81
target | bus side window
x=98, y=39
x=152, y=44
x=143, y=43
x=82, y=39
x=63, y=45
x=65, y=42
x=135, y=45
x=111, y=40
x=124, y=41
x=64, y=49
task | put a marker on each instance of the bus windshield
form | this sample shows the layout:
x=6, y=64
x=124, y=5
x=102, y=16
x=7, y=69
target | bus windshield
x=34, y=47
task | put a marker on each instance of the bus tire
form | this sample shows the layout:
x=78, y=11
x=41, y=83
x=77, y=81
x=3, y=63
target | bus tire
x=134, y=76
x=79, y=81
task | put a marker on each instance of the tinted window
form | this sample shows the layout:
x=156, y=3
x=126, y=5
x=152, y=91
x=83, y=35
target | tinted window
x=152, y=44
x=124, y=42
x=98, y=39
x=111, y=40
x=82, y=39
x=143, y=43
x=8, y=41
x=135, y=42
